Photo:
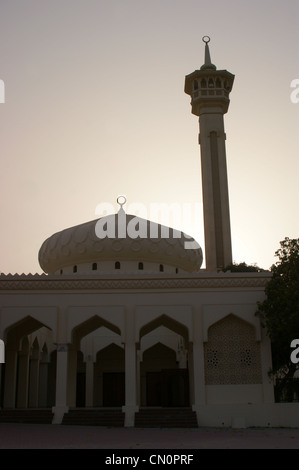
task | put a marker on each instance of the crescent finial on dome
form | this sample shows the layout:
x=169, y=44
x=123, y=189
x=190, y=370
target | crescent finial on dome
x=121, y=201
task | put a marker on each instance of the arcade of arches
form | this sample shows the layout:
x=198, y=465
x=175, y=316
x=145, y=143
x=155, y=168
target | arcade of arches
x=102, y=367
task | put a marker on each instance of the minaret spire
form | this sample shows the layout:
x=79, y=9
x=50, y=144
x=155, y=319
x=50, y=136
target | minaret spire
x=208, y=63
x=209, y=89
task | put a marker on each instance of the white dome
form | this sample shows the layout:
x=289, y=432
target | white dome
x=81, y=244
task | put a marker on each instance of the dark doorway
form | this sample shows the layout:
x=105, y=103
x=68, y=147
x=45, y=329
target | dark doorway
x=154, y=389
x=113, y=388
x=167, y=388
x=80, y=391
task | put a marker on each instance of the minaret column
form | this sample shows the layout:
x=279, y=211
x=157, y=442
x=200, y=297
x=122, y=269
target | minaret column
x=215, y=190
x=209, y=90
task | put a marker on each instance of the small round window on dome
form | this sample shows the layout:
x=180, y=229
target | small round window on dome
x=140, y=266
x=117, y=265
x=94, y=266
x=161, y=268
x=75, y=269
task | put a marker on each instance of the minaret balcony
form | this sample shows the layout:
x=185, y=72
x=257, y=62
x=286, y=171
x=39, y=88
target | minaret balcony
x=214, y=83
x=209, y=92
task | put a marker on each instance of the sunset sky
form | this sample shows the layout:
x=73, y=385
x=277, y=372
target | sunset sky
x=95, y=107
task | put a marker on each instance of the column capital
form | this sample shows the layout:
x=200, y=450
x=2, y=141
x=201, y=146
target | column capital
x=62, y=347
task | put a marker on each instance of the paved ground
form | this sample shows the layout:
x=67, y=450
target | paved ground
x=36, y=436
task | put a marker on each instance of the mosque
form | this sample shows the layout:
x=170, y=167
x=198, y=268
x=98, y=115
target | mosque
x=123, y=331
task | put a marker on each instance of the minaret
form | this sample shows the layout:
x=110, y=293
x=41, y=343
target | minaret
x=209, y=89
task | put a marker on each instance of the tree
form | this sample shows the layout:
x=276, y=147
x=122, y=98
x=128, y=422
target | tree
x=243, y=268
x=279, y=312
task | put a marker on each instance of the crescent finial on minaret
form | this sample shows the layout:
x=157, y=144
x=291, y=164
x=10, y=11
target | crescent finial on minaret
x=208, y=63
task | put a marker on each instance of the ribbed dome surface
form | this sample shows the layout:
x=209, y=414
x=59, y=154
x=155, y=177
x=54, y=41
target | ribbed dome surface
x=130, y=238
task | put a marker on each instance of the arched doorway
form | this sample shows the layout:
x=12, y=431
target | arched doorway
x=166, y=384
x=109, y=384
x=22, y=369
x=164, y=371
x=87, y=369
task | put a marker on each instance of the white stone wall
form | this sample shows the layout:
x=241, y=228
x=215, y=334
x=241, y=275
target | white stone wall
x=134, y=314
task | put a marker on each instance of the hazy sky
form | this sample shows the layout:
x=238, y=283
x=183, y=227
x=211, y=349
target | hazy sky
x=95, y=107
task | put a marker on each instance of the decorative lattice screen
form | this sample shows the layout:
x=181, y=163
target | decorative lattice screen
x=232, y=354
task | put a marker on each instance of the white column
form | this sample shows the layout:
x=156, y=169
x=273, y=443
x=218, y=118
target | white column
x=131, y=406
x=10, y=378
x=198, y=364
x=89, y=381
x=182, y=358
x=72, y=375
x=34, y=380
x=61, y=406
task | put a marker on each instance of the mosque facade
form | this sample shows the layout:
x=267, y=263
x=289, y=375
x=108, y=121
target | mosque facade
x=132, y=331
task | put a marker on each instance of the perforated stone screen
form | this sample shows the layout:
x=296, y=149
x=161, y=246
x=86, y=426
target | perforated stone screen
x=232, y=354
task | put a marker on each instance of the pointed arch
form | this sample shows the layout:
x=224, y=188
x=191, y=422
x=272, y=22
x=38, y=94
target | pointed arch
x=214, y=313
x=113, y=350
x=110, y=349
x=159, y=350
x=28, y=325
x=168, y=322
x=90, y=325
x=231, y=317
